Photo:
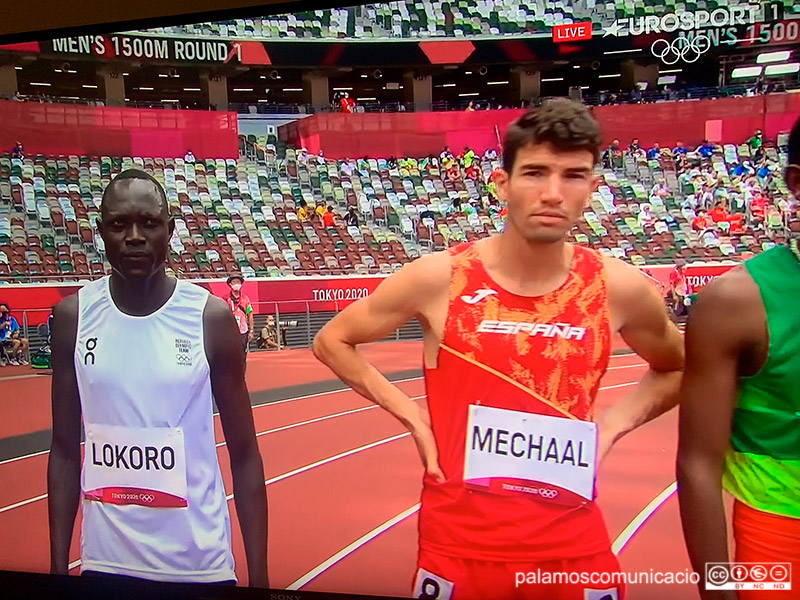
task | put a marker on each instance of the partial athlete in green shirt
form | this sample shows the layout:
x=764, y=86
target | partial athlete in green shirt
x=740, y=411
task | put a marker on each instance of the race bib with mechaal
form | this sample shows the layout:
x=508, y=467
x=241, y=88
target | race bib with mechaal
x=135, y=465
x=514, y=452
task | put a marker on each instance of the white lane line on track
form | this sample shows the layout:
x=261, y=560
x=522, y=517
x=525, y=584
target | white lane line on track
x=627, y=366
x=22, y=503
x=639, y=520
x=344, y=552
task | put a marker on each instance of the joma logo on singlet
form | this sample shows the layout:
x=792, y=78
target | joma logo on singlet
x=562, y=330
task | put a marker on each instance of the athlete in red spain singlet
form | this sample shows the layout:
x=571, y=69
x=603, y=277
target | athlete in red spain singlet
x=518, y=331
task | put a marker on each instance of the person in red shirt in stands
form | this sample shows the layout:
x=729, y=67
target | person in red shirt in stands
x=719, y=214
x=329, y=218
x=758, y=207
x=679, y=287
x=347, y=103
x=700, y=222
x=453, y=172
x=473, y=171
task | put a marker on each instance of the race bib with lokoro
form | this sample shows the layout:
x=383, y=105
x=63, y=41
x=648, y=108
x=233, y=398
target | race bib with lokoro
x=509, y=452
x=145, y=466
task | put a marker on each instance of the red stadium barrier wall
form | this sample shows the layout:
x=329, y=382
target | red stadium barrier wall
x=314, y=294
x=102, y=130
x=341, y=135
x=726, y=121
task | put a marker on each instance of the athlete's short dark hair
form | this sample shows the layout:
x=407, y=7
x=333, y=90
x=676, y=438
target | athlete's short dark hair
x=794, y=143
x=135, y=174
x=566, y=124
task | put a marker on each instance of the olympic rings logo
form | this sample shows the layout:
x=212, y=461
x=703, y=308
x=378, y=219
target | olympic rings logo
x=184, y=359
x=690, y=50
x=147, y=498
x=549, y=494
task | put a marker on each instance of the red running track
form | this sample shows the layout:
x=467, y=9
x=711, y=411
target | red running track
x=343, y=481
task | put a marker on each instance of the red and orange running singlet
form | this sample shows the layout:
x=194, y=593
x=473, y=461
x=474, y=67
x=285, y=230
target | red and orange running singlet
x=511, y=404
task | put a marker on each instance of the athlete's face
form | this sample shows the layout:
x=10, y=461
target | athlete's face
x=136, y=228
x=547, y=191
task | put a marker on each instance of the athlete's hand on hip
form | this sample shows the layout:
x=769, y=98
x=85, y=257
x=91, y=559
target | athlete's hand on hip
x=422, y=433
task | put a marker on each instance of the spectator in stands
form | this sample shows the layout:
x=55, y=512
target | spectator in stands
x=16, y=97
x=756, y=143
x=445, y=154
x=763, y=172
x=15, y=346
x=391, y=162
x=329, y=218
x=189, y=158
x=654, y=153
x=242, y=310
x=470, y=106
x=453, y=173
x=18, y=151
x=468, y=157
x=680, y=289
x=302, y=211
x=700, y=222
x=473, y=171
x=635, y=149
x=706, y=149
x=363, y=166
x=660, y=188
x=347, y=167
x=719, y=213
x=352, y=217
x=646, y=217
x=455, y=207
x=742, y=169
x=347, y=104
x=490, y=154
x=269, y=335
x=321, y=159
x=612, y=157
x=758, y=210
x=321, y=209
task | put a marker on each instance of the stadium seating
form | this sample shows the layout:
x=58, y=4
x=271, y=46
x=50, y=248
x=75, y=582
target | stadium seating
x=243, y=215
x=427, y=18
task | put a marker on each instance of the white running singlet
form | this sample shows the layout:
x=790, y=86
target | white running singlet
x=154, y=501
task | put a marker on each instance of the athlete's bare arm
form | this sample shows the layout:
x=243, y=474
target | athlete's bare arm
x=726, y=338
x=224, y=351
x=64, y=465
x=638, y=313
x=419, y=290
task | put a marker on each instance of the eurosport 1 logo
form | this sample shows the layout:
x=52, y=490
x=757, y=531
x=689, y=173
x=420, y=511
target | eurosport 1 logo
x=749, y=576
